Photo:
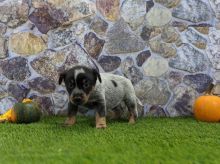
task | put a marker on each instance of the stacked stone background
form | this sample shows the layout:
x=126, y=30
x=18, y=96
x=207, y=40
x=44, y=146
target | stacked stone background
x=168, y=48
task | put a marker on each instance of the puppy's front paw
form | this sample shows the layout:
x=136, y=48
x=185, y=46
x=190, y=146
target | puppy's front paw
x=100, y=122
x=70, y=121
x=132, y=119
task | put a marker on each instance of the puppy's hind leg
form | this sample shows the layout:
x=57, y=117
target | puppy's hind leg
x=132, y=108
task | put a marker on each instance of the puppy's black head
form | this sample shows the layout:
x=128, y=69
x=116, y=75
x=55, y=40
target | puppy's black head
x=79, y=82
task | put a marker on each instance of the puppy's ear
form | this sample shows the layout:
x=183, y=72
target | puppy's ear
x=97, y=74
x=62, y=77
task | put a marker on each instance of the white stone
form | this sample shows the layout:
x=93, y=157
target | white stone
x=158, y=16
x=133, y=12
x=155, y=66
x=217, y=75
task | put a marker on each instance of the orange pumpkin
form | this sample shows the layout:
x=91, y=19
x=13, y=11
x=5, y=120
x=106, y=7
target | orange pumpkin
x=207, y=107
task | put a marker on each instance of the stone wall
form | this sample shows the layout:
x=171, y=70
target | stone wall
x=168, y=48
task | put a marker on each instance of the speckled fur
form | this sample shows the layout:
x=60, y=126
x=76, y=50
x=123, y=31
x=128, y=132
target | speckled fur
x=114, y=95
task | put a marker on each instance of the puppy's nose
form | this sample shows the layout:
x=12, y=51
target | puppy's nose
x=77, y=100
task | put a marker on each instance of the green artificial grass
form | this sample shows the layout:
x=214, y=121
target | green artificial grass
x=150, y=140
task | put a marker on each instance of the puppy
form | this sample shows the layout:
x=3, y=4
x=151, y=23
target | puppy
x=99, y=91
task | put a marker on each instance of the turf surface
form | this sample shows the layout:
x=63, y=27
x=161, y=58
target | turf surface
x=150, y=140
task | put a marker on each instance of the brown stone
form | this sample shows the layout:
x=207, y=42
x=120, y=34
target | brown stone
x=168, y=3
x=15, y=68
x=156, y=111
x=30, y=45
x=46, y=18
x=14, y=12
x=202, y=28
x=149, y=32
x=109, y=63
x=164, y=49
x=180, y=25
x=142, y=57
x=93, y=44
x=169, y=34
x=109, y=8
x=99, y=26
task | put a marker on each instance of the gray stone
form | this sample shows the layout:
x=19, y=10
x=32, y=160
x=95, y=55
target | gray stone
x=215, y=4
x=130, y=71
x=3, y=48
x=134, y=15
x=3, y=29
x=152, y=91
x=196, y=39
x=99, y=26
x=3, y=92
x=14, y=12
x=60, y=101
x=42, y=85
x=193, y=10
x=77, y=10
x=122, y=40
x=213, y=49
x=64, y=36
x=15, y=68
x=182, y=104
x=158, y=12
x=142, y=57
x=155, y=66
x=18, y=91
x=189, y=59
x=45, y=103
x=93, y=44
x=200, y=82
x=6, y=103
x=3, y=80
x=51, y=63
x=76, y=55
x=109, y=63
x=174, y=78
x=156, y=111
x=216, y=89
x=61, y=37
x=216, y=76
x=149, y=5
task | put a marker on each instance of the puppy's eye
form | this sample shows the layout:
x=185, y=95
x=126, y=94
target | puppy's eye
x=85, y=83
x=71, y=85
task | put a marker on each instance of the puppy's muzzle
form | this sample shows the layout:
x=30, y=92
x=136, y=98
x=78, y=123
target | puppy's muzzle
x=78, y=99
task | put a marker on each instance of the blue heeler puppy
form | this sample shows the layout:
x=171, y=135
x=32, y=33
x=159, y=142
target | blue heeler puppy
x=99, y=91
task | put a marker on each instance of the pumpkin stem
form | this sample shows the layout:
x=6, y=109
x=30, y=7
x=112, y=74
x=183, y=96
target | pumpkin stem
x=209, y=89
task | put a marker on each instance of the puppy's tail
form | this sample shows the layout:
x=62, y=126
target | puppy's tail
x=139, y=102
x=140, y=107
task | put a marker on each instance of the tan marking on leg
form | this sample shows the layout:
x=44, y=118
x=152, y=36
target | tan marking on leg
x=131, y=119
x=70, y=121
x=100, y=122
